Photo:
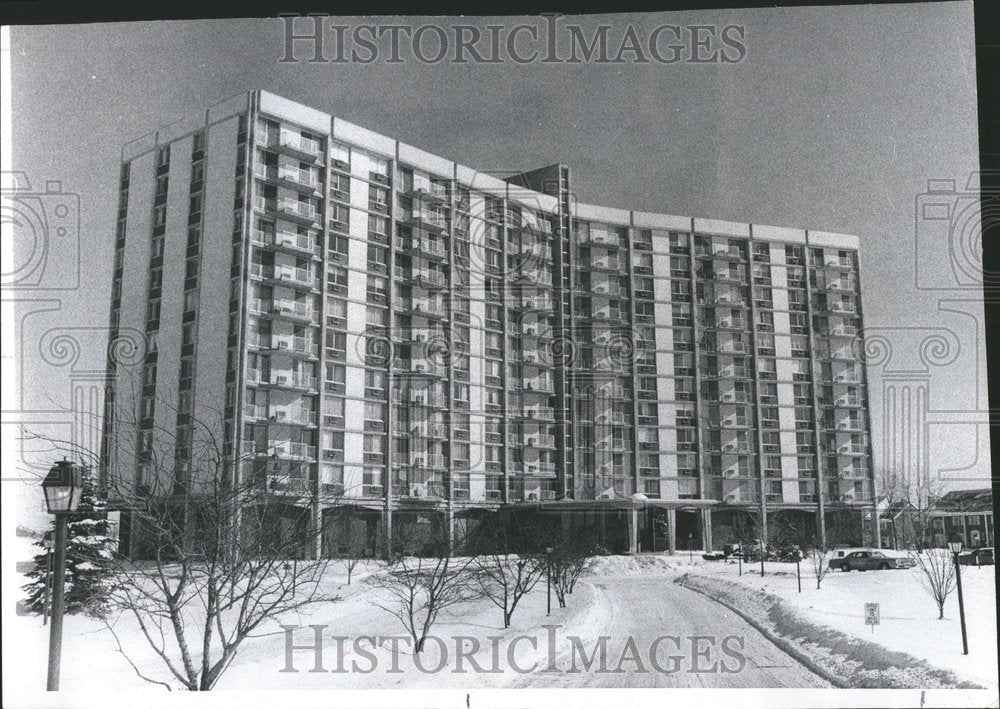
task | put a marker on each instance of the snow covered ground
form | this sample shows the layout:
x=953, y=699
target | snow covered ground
x=908, y=613
x=908, y=623
x=96, y=662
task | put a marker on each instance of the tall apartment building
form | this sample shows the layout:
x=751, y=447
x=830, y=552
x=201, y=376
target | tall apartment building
x=426, y=343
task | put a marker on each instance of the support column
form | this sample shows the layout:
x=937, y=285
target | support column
x=672, y=530
x=633, y=531
x=387, y=528
x=315, y=550
x=449, y=521
x=706, y=517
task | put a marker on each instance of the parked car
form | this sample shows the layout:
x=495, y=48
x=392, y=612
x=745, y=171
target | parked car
x=837, y=556
x=874, y=560
x=977, y=557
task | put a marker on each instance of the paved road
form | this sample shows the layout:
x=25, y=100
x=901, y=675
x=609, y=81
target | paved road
x=645, y=608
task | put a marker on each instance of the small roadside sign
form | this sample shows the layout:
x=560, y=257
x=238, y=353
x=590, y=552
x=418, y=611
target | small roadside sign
x=872, y=615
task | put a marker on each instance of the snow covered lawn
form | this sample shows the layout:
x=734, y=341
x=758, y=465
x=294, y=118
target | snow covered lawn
x=908, y=614
x=91, y=658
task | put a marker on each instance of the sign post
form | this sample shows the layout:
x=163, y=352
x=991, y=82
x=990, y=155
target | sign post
x=872, y=615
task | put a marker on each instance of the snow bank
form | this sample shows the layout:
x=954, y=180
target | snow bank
x=908, y=616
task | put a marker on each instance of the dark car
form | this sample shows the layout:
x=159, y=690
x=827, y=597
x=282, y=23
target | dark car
x=874, y=560
x=977, y=557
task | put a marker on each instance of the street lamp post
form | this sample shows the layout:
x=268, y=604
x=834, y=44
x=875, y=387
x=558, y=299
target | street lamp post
x=63, y=489
x=690, y=553
x=47, y=589
x=548, y=580
x=955, y=545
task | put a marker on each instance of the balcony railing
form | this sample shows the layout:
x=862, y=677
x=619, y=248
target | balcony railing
x=298, y=177
x=295, y=208
x=299, y=145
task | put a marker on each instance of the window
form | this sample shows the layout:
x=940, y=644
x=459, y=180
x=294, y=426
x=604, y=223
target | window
x=336, y=311
x=378, y=225
x=339, y=152
x=378, y=165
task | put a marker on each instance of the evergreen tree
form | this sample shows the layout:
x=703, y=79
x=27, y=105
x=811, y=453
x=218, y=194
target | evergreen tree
x=89, y=555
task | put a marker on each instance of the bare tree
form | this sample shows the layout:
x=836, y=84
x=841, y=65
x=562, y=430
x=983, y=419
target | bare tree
x=212, y=536
x=820, y=565
x=351, y=547
x=918, y=495
x=570, y=558
x=418, y=589
x=506, y=570
x=937, y=574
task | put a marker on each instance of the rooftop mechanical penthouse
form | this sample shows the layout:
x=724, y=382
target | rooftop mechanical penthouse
x=429, y=344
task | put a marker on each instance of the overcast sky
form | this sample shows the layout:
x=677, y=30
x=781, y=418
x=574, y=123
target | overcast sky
x=835, y=120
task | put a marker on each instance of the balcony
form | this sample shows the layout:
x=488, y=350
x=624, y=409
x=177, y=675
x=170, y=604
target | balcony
x=606, y=289
x=428, y=248
x=292, y=381
x=540, y=470
x=530, y=303
x=428, y=460
x=297, y=244
x=848, y=401
x=287, y=485
x=536, y=251
x=298, y=179
x=298, y=211
x=726, y=298
x=731, y=276
x=543, y=386
x=605, y=263
x=422, y=397
x=539, y=360
x=840, y=307
x=536, y=413
x=534, y=277
x=853, y=426
x=301, y=278
x=423, y=368
x=427, y=191
x=432, y=431
x=430, y=280
x=734, y=397
x=285, y=344
x=730, y=324
x=540, y=440
x=837, y=262
x=605, y=239
x=841, y=284
x=298, y=147
x=425, y=307
x=293, y=416
x=728, y=252
x=732, y=347
x=426, y=221
x=291, y=310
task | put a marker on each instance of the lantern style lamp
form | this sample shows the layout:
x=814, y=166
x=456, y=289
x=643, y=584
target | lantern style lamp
x=955, y=544
x=63, y=488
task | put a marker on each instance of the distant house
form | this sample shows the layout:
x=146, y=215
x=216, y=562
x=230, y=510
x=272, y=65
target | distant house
x=898, y=525
x=967, y=513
